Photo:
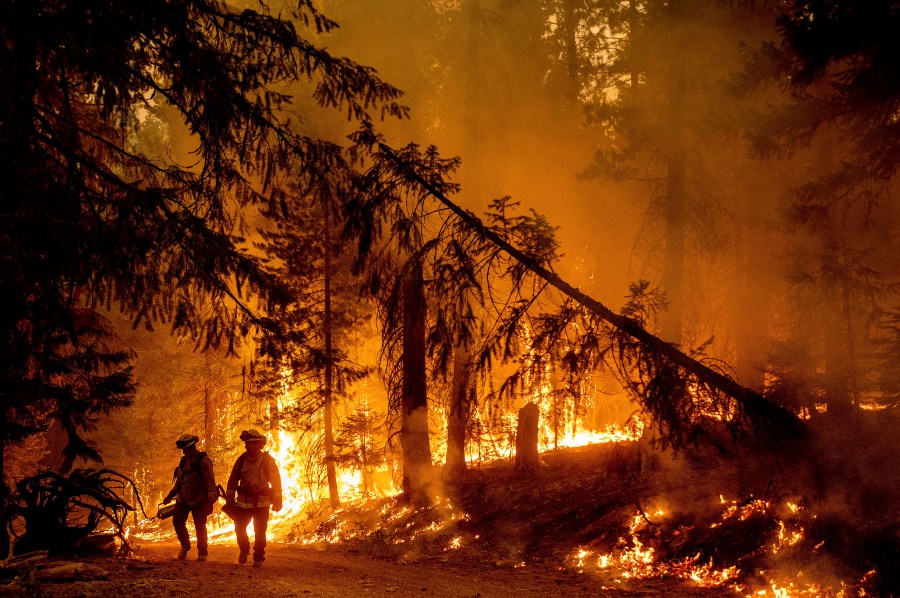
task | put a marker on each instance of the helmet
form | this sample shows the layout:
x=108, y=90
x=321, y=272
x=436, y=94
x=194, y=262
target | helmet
x=186, y=440
x=252, y=436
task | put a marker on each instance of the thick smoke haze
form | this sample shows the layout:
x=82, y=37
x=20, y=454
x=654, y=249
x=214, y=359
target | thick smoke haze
x=719, y=175
x=483, y=85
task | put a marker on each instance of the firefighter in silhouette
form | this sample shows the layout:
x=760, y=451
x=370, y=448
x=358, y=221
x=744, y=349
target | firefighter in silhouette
x=253, y=486
x=195, y=493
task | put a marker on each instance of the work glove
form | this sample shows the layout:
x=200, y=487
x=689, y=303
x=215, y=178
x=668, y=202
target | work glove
x=213, y=496
x=229, y=498
x=276, y=506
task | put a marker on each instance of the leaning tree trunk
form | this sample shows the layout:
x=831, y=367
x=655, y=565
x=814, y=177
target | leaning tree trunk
x=766, y=419
x=414, y=407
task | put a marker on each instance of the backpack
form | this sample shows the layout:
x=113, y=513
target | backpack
x=194, y=466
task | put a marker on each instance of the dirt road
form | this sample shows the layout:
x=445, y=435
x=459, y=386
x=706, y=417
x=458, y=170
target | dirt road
x=292, y=570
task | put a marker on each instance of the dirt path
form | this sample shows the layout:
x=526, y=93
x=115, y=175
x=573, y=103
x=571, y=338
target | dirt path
x=333, y=572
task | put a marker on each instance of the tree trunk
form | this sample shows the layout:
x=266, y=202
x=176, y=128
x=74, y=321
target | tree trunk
x=473, y=134
x=5, y=493
x=753, y=300
x=458, y=413
x=57, y=439
x=557, y=406
x=835, y=297
x=632, y=33
x=414, y=439
x=571, y=26
x=527, y=439
x=672, y=321
x=209, y=406
x=274, y=418
x=765, y=417
x=333, y=495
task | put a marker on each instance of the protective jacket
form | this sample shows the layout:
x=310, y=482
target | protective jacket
x=254, y=482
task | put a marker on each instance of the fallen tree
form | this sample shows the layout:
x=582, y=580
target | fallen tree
x=762, y=417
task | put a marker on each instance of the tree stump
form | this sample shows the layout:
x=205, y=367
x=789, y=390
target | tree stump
x=527, y=439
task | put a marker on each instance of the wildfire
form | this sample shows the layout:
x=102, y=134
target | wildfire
x=609, y=434
x=299, y=497
x=394, y=524
x=706, y=576
x=635, y=555
x=631, y=558
x=791, y=589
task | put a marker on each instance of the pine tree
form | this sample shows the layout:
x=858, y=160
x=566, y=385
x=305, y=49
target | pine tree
x=308, y=361
x=92, y=218
x=359, y=446
x=836, y=64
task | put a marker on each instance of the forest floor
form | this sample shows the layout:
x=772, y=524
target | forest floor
x=616, y=520
x=334, y=571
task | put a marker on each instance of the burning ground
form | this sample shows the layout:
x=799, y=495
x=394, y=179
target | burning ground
x=622, y=518
x=818, y=521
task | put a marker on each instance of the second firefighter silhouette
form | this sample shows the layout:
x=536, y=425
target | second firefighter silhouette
x=253, y=486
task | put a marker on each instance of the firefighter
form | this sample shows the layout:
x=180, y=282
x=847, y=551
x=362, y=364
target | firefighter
x=195, y=493
x=253, y=486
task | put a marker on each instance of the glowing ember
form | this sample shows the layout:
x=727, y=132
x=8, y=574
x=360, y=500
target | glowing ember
x=707, y=576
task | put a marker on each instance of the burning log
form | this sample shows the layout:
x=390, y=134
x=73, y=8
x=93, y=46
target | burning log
x=764, y=418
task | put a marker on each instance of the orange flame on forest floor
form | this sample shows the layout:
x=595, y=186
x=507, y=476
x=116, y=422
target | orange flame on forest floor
x=301, y=504
x=391, y=523
x=298, y=502
x=632, y=558
x=610, y=434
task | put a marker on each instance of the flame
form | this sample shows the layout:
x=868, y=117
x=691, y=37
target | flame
x=791, y=589
x=296, y=501
x=394, y=523
x=611, y=433
x=633, y=558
